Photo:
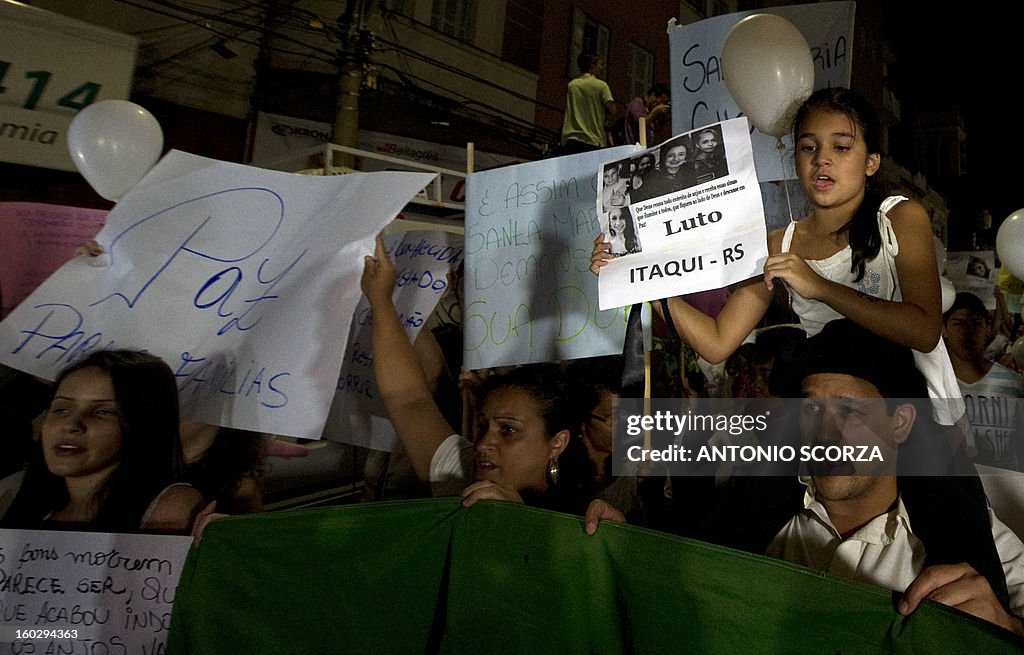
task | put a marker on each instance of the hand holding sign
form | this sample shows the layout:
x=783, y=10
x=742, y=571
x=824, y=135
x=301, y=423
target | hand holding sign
x=768, y=70
x=114, y=143
x=379, y=276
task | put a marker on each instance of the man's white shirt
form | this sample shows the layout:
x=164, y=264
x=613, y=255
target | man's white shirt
x=884, y=552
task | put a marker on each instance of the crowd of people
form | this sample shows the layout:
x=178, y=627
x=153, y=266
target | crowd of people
x=868, y=354
x=863, y=257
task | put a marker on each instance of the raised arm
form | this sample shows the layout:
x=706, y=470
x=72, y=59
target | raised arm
x=916, y=321
x=401, y=382
x=715, y=338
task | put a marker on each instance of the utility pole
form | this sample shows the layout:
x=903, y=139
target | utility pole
x=262, y=66
x=353, y=57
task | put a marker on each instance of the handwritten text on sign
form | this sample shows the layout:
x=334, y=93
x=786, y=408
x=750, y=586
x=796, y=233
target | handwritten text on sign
x=37, y=239
x=700, y=96
x=243, y=280
x=423, y=260
x=529, y=294
x=695, y=238
x=97, y=592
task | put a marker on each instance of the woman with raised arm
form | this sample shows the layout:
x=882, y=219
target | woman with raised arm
x=528, y=446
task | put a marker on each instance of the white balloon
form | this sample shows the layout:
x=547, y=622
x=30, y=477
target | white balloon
x=940, y=255
x=113, y=144
x=1017, y=350
x=948, y=293
x=769, y=71
x=1010, y=243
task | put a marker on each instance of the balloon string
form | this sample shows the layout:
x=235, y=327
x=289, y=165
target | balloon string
x=781, y=147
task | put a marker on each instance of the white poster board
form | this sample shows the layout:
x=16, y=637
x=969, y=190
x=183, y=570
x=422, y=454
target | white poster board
x=422, y=260
x=699, y=94
x=974, y=272
x=243, y=280
x=529, y=293
x=87, y=592
x=694, y=230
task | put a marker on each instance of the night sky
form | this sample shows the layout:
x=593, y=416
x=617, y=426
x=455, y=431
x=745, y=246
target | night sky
x=969, y=55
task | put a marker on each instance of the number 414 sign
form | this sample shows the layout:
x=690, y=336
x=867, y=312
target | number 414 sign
x=51, y=66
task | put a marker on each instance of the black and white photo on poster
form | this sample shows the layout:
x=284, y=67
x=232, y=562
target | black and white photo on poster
x=974, y=272
x=683, y=216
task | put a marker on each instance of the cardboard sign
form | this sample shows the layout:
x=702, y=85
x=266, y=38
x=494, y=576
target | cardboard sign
x=422, y=260
x=695, y=228
x=530, y=295
x=87, y=592
x=699, y=94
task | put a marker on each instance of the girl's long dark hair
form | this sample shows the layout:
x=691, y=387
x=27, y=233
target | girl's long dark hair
x=147, y=401
x=631, y=242
x=865, y=239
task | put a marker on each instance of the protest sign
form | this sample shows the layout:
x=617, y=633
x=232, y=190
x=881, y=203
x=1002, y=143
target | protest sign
x=87, y=592
x=243, y=280
x=974, y=272
x=39, y=238
x=422, y=260
x=693, y=228
x=699, y=94
x=530, y=296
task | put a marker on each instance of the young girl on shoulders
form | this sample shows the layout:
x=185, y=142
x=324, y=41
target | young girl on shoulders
x=836, y=261
x=869, y=258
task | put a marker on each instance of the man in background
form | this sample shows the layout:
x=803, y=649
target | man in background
x=991, y=391
x=588, y=107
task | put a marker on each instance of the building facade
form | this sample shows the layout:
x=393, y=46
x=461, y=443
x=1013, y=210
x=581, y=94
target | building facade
x=447, y=72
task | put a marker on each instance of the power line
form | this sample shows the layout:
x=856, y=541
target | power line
x=251, y=17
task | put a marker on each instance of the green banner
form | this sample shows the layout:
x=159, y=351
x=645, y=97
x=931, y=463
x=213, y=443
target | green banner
x=428, y=576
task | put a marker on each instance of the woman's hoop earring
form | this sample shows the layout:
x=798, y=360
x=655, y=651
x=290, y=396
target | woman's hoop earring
x=553, y=471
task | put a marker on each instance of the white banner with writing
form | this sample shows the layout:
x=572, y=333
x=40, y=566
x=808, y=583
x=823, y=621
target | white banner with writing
x=423, y=260
x=699, y=94
x=530, y=296
x=679, y=227
x=244, y=280
x=87, y=592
